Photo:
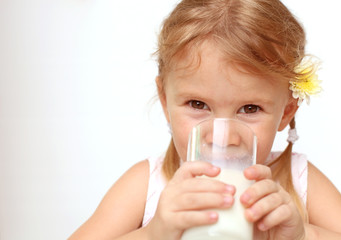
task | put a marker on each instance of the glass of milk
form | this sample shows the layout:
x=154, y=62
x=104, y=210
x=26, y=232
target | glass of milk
x=231, y=145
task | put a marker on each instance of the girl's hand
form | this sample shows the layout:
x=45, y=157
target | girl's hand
x=185, y=201
x=270, y=207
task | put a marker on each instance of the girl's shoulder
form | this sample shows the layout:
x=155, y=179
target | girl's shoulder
x=155, y=163
x=323, y=200
x=121, y=210
x=299, y=172
x=128, y=192
x=299, y=163
x=295, y=156
x=156, y=184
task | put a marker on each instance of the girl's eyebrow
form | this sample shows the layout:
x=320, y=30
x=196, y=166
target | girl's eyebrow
x=261, y=99
x=180, y=92
x=193, y=93
x=258, y=101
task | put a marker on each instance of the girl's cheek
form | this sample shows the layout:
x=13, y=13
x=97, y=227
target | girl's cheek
x=180, y=142
x=264, y=145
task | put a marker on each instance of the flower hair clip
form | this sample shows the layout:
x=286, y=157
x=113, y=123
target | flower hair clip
x=306, y=82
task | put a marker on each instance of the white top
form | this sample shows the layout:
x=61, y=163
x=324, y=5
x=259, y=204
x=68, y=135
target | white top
x=157, y=182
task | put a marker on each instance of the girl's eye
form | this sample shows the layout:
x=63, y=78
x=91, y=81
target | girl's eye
x=198, y=105
x=249, y=109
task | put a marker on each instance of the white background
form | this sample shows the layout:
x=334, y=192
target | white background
x=76, y=104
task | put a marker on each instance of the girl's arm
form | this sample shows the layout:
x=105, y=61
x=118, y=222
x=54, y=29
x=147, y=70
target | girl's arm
x=324, y=207
x=121, y=210
x=181, y=205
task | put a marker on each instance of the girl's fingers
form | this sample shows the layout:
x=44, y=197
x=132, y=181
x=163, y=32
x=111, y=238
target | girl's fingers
x=200, y=201
x=258, y=172
x=193, y=169
x=189, y=219
x=281, y=214
x=264, y=206
x=258, y=190
x=205, y=185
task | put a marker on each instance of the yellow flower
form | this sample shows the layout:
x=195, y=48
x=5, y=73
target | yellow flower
x=306, y=82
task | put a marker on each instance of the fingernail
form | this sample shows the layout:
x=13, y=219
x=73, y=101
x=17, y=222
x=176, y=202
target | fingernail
x=245, y=198
x=228, y=200
x=213, y=216
x=230, y=188
x=251, y=214
x=251, y=172
x=262, y=226
x=214, y=168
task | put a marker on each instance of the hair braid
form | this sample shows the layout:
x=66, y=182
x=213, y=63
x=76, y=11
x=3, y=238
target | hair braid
x=281, y=171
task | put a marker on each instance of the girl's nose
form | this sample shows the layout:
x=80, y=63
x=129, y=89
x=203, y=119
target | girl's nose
x=225, y=136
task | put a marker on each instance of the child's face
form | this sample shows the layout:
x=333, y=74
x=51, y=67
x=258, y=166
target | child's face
x=217, y=89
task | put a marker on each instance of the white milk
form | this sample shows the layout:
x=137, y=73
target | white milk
x=232, y=224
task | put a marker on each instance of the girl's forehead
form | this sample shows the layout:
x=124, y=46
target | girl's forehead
x=207, y=68
x=207, y=57
x=190, y=60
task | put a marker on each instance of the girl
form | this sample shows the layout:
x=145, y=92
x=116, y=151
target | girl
x=240, y=59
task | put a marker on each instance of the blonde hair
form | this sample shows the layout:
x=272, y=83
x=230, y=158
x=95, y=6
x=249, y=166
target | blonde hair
x=262, y=36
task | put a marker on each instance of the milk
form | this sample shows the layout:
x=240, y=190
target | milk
x=232, y=224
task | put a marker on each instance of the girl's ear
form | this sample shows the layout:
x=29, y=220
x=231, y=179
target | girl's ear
x=162, y=96
x=289, y=113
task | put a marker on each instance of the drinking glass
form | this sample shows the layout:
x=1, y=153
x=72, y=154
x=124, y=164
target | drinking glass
x=231, y=145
